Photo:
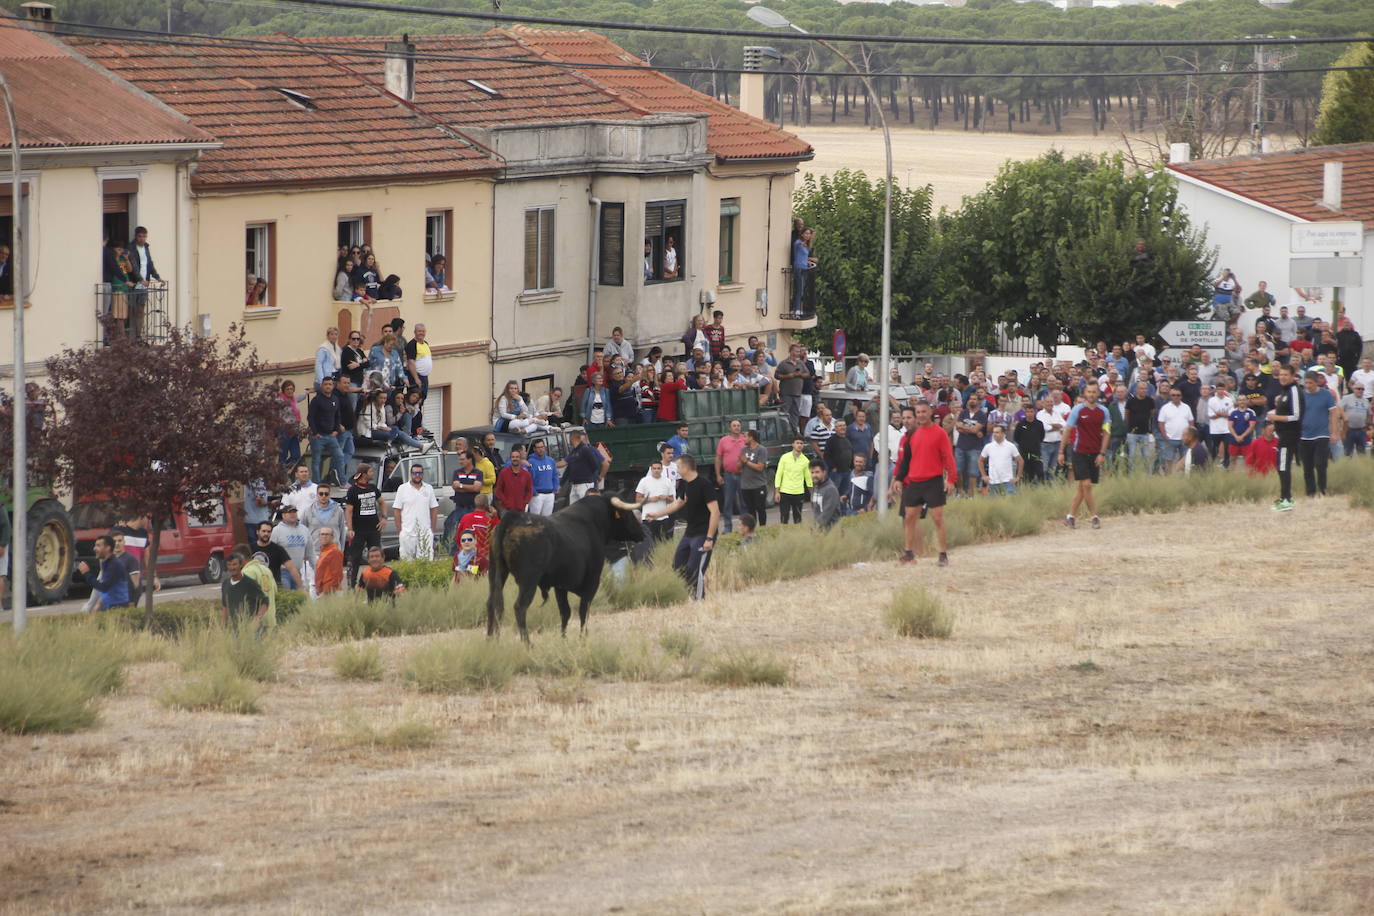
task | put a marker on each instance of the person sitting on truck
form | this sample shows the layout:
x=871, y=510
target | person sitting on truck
x=111, y=583
x=670, y=383
x=680, y=441
x=597, y=403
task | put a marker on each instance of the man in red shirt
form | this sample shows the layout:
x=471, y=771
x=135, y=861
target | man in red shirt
x=1092, y=431
x=925, y=474
x=481, y=523
x=514, y=485
x=1262, y=457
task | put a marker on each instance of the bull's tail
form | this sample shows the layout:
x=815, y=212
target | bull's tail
x=496, y=576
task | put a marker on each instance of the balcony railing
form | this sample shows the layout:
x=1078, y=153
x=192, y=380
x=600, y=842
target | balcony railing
x=971, y=332
x=140, y=313
x=801, y=294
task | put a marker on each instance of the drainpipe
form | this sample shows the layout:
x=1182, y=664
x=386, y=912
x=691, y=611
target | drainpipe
x=182, y=306
x=591, y=274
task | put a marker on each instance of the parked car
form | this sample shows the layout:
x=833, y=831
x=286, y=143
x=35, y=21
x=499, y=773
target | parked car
x=187, y=546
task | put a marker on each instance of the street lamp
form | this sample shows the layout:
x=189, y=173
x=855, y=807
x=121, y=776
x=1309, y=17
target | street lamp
x=775, y=20
x=19, y=481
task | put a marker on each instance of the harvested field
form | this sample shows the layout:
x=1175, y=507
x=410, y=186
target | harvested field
x=1175, y=713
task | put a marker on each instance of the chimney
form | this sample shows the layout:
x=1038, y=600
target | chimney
x=400, y=68
x=38, y=15
x=1179, y=152
x=1332, y=175
x=751, y=83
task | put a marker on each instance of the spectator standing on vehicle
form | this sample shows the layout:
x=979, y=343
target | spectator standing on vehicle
x=326, y=431
x=753, y=472
x=415, y=511
x=329, y=563
x=322, y=513
x=1092, y=435
x=289, y=439
x=715, y=335
x=256, y=507
x=364, y=515
x=111, y=580
x=543, y=478
x=353, y=364
x=419, y=362
x=790, y=376
x=514, y=485
x=728, y=470
x=696, y=500
x=619, y=346
x=240, y=596
x=293, y=537
x=857, y=378
x=586, y=467
x=274, y=556
x=327, y=357
x=793, y=481
x=681, y=441
x=925, y=476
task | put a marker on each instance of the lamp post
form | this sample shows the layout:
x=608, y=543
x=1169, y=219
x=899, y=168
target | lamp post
x=775, y=20
x=19, y=477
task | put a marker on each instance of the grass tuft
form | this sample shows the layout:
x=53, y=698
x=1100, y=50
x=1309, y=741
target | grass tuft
x=249, y=655
x=679, y=644
x=220, y=688
x=405, y=734
x=356, y=663
x=465, y=664
x=914, y=612
x=742, y=668
x=52, y=675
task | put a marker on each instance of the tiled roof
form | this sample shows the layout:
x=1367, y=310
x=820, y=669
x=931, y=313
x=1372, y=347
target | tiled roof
x=534, y=91
x=340, y=128
x=730, y=133
x=1292, y=180
x=62, y=101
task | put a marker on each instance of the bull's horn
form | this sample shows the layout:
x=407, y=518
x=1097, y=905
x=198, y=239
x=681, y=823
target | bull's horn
x=620, y=504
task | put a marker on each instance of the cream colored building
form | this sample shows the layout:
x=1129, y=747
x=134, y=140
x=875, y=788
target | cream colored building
x=98, y=156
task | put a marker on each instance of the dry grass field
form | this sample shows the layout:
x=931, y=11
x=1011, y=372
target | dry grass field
x=1172, y=714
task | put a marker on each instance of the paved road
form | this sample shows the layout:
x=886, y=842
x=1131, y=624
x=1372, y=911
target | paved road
x=175, y=588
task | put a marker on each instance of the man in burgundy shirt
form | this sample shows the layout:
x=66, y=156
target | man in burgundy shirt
x=925, y=475
x=514, y=485
x=715, y=334
x=1092, y=434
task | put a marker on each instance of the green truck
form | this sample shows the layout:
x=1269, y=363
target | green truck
x=634, y=446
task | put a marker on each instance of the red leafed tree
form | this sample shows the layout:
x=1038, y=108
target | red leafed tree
x=157, y=424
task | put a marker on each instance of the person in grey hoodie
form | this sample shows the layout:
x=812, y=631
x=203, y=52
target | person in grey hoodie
x=825, y=499
x=322, y=512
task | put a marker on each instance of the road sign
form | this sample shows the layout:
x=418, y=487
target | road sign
x=1206, y=334
x=838, y=344
x=1327, y=238
x=1326, y=271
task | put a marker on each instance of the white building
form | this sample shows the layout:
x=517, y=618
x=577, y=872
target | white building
x=1249, y=204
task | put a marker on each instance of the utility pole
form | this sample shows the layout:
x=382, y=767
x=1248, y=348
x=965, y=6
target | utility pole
x=19, y=473
x=1264, y=60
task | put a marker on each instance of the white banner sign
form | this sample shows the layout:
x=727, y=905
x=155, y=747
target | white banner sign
x=1205, y=334
x=1327, y=238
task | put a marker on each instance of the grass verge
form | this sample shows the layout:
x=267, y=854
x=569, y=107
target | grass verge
x=912, y=611
x=358, y=663
x=219, y=688
x=52, y=675
x=743, y=668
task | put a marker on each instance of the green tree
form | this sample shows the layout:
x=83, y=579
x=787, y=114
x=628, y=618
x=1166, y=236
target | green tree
x=1347, y=109
x=846, y=212
x=1005, y=254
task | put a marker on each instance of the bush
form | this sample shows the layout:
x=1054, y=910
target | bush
x=465, y=664
x=1353, y=478
x=913, y=611
x=51, y=676
x=218, y=688
x=289, y=603
x=424, y=573
x=741, y=668
x=246, y=653
x=358, y=664
x=647, y=585
x=171, y=618
x=678, y=643
x=408, y=734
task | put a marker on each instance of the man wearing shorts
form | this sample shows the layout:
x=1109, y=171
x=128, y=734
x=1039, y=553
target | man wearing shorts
x=1092, y=436
x=925, y=474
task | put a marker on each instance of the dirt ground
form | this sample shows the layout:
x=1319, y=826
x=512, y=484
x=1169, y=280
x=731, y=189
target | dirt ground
x=1172, y=714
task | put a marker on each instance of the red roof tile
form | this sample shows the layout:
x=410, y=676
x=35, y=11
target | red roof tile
x=345, y=129
x=62, y=101
x=730, y=133
x=1292, y=180
x=533, y=91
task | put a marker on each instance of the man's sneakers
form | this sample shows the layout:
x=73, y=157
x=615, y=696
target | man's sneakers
x=1069, y=522
x=1282, y=505
x=908, y=558
x=1097, y=522
x=944, y=559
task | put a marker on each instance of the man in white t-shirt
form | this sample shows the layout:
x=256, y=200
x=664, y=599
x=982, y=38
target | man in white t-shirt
x=1000, y=464
x=1054, y=416
x=1364, y=377
x=416, y=512
x=1219, y=407
x=1173, y=418
x=654, y=491
x=301, y=493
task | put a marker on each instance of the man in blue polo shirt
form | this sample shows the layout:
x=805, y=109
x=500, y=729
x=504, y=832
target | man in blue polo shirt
x=586, y=466
x=680, y=443
x=544, y=470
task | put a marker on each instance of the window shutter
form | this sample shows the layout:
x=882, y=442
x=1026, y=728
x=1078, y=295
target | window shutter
x=531, y=249
x=546, y=248
x=612, y=244
x=653, y=220
x=672, y=215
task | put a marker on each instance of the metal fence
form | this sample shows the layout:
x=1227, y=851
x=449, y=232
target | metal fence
x=801, y=294
x=139, y=313
x=970, y=332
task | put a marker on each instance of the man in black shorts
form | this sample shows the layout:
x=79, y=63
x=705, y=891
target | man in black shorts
x=926, y=474
x=1092, y=434
x=696, y=499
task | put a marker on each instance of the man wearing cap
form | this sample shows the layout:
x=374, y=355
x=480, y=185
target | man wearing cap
x=293, y=537
x=586, y=467
x=1355, y=420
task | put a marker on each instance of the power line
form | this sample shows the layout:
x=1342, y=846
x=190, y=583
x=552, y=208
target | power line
x=372, y=6
x=77, y=30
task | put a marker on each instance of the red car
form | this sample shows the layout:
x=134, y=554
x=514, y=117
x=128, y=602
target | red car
x=187, y=546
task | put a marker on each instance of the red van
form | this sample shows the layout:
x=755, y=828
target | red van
x=187, y=546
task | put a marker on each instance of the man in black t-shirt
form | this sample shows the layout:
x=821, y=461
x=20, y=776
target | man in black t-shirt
x=696, y=499
x=240, y=597
x=276, y=554
x=364, y=515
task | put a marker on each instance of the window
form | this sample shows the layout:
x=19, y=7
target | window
x=612, y=245
x=538, y=249
x=664, y=253
x=354, y=230
x=260, y=248
x=729, y=221
x=439, y=233
x=7, y=233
